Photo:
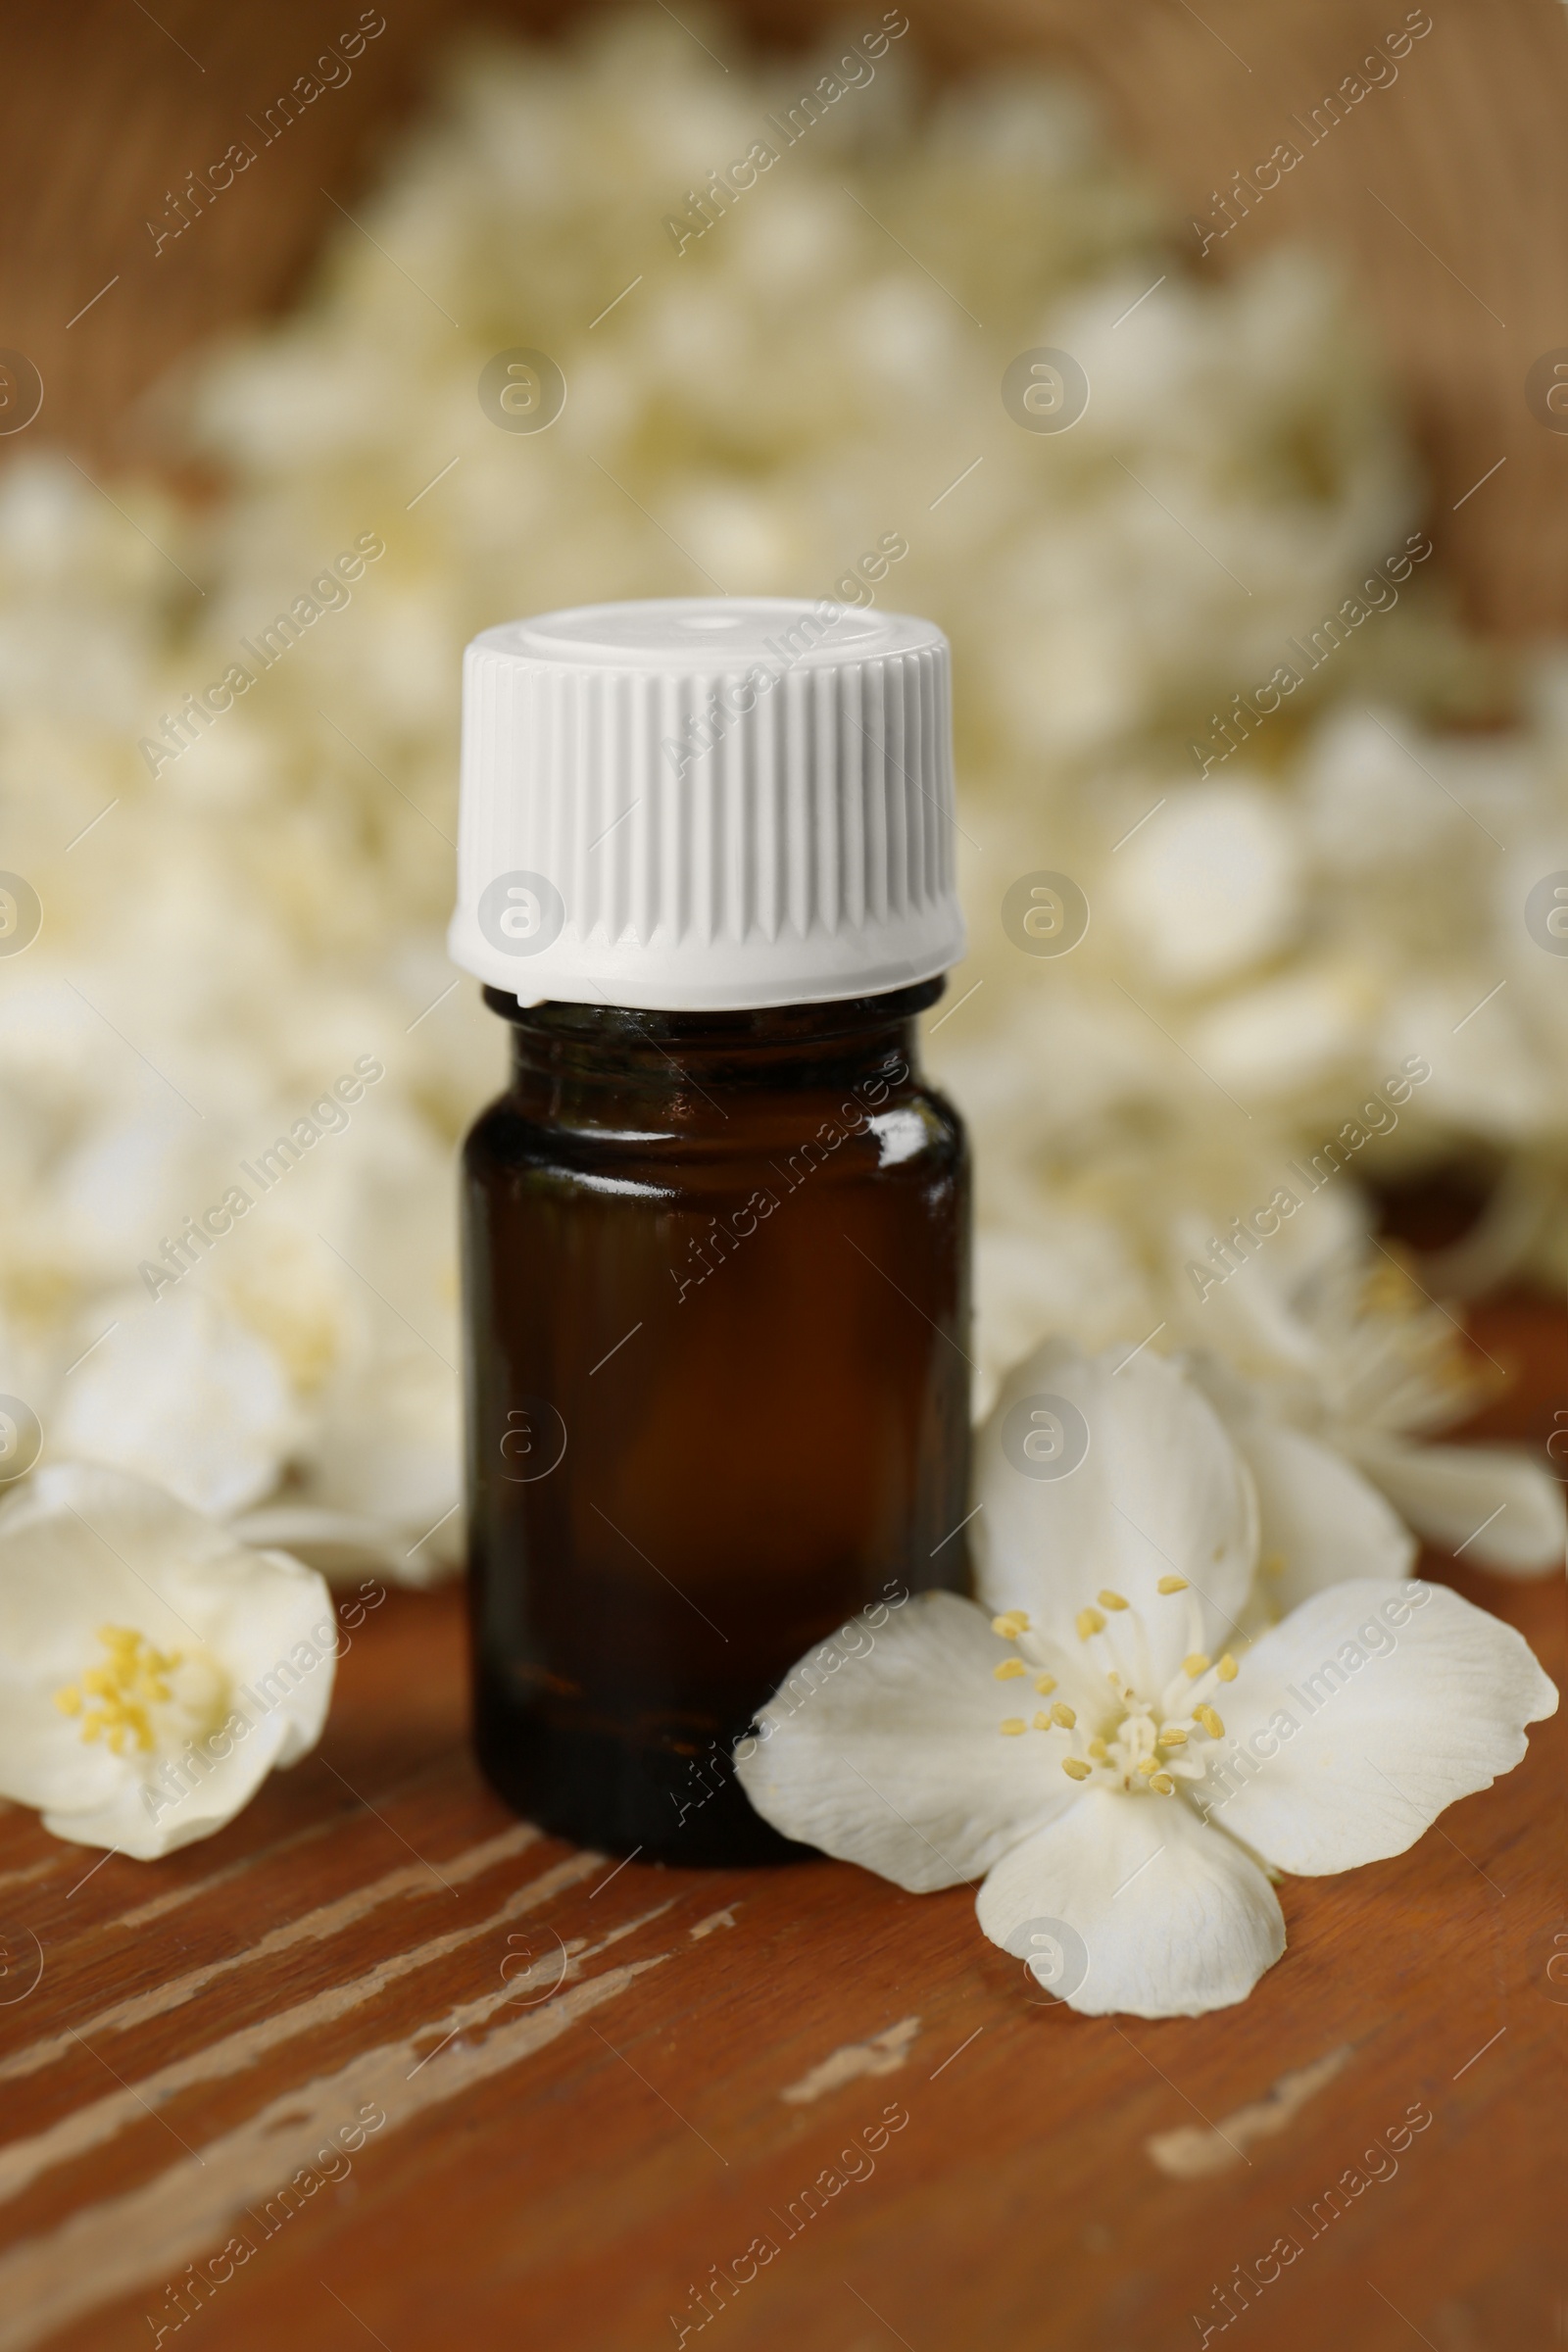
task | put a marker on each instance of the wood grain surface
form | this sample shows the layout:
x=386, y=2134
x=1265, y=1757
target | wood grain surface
x=598, y=2082
x=1444, y=196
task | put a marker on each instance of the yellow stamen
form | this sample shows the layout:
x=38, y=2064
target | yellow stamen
x=1064, y=1715
x=1011, y=1625
x=1164, y=1783
x=1146, y=1765
x=1227, y=1669
x=1043, y=1723
x=1014, y=1725
x=1172, y=1583
x=122, y=1689
x=1045, y=1684
x=1210, y=1722
x=1112, y=1601
x=1098, y=1750
x=1008, y=1668
x=1193, y=1666
x=1075, y=1768
x=1172, y=1737
x=1090, y=1621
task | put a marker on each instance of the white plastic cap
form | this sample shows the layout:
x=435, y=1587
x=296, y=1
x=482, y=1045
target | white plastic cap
x=707, y=803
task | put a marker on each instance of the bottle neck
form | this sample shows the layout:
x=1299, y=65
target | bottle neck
x=684, y=1061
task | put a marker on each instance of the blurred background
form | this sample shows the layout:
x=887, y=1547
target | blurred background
x=1257, y=611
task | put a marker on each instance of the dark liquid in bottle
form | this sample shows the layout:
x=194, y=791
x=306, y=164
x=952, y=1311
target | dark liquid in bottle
x=716, y=1273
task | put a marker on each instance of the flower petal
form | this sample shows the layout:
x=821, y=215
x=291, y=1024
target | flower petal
x=1160, y=1491
x=123, y=1821
x=132, y=1404
x=1176, y=1918
x=1492, y=1501
x=1354, y=1723
x=892, y=1755
x=1321, y=1521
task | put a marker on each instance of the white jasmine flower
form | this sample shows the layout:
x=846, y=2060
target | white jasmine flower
x=1350, y=1359
x=1070, y=1751
x=152, y=1670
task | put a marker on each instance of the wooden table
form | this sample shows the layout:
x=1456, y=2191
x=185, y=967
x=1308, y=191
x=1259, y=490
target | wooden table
x=596, y=2083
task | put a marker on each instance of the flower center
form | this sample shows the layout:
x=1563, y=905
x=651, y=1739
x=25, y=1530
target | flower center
x=1124, y=1733
x=142, y=1698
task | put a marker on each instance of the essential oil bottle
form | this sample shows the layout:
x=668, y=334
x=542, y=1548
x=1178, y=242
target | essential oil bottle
x=716, y=1231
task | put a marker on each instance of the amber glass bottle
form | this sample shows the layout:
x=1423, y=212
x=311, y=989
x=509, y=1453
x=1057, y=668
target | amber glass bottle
x=718, y=1379
x=715, y=1230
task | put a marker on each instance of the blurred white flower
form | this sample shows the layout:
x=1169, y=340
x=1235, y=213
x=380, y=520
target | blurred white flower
x=153, y=1671
x=223, y=936
x=181, y=1392
x=1113, y=1804
x=1347, y=1359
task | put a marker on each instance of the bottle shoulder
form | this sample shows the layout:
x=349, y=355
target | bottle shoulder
x=911, y=1126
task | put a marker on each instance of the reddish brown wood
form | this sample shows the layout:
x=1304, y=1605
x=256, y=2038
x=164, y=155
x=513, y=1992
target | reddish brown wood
x=574, y=2198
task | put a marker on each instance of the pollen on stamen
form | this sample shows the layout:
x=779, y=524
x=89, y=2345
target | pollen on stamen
x=1098, y=1750
x=1089, y=1621
x=1163, y=1783
x=1010, y=1624
x=69, y=1700
x=1064, y=1715
x=1194, y=1665
x=1112, y=1601
x=1012, y=1725
x=1045, y=1684
x=1210, y=1722
x=1075, y=1768
x=1227, y=1669
x=1008, y=1668
x=1172, y=1583
x=1172, y=1737
x=1043, y=1723
x=1146, y=1765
